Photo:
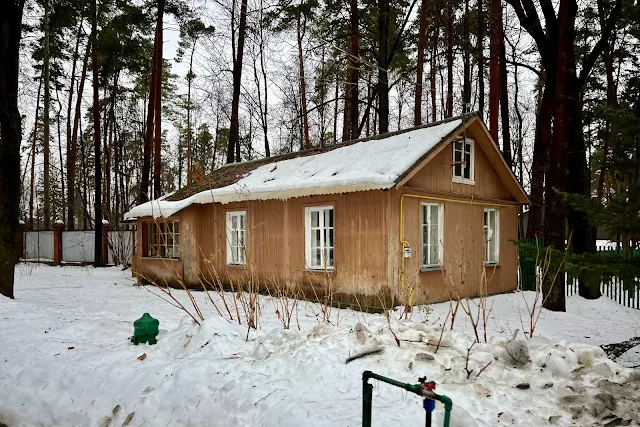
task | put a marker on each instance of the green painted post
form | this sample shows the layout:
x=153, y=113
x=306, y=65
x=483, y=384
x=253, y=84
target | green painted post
x=367, y=397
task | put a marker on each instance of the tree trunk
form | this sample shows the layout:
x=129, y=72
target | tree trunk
x=466, y=61
x=157, y=152
x=303, y=86
x=335, y=110
x=495, y=21
x=612, y=102
x=480, y=58
x=234, y=130
x=72, y=159
x=10, y=137
x=504, y=102
x=33, y=156
x=383, y=65
x=265, y=123
x=47, y=127
x=148, y=140
x=422, y=41
x=433, y=70
x=555, y=217
x=189, y=80
x=449, y=106
x=71, y=155
x=60, y=159
x=98, y=262
x=350, y=122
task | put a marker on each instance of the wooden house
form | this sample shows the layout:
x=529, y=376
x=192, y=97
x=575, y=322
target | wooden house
x=412, y=216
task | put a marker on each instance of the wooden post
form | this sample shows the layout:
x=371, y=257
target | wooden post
x=58, y=227
x=105, y=242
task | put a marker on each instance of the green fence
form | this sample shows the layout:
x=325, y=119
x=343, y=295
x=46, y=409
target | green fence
x=614, y=288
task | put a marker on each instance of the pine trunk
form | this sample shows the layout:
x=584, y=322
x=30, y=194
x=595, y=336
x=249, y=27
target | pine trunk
x=98, y=262
x=495, y=21
x=303, y=87
x=383, y=66
x=449, y=106
x=234, y=131
x=480, y=58
x=157, y=152
x=466, y=61
x=46, y=152
x=422, y=41
x=504, y=103
x=72, y=132
x=148, y=140
x=33, y=157
x=350, y=123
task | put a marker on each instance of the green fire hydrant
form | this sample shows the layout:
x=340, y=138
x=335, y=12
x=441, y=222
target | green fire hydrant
x=145, y=329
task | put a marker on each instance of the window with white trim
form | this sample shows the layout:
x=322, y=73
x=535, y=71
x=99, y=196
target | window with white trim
x=432, y=234
x=236, y=238
x=491, y=235
x=162, y=239
x=319, y=237
x=463, y=160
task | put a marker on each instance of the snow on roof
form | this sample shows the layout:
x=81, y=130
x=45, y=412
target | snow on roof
x=365, y=165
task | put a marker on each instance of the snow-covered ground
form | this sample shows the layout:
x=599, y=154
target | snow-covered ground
x=66, y=360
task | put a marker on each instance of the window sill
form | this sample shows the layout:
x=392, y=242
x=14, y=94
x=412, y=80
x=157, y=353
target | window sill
x=320, y=271
x=492, y=264
x=463, y=181
x=160, y=258
x=425, y=269
x=237, y=265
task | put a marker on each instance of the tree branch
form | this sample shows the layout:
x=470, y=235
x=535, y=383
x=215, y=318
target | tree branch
x=592, y=57
x=530, y=21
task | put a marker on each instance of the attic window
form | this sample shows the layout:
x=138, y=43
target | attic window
x=463, y=161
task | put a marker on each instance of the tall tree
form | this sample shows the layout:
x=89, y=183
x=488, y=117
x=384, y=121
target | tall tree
x=422, y=41
x=97, y=219
x=480, y=28
x=234, y=130
x=73, y=148
x=350, y=129
x=47, y=126
x=10, y=135
x=563, y=89
x=449, y=105
x=495, y=21
x=157, y=151
x=504, y=102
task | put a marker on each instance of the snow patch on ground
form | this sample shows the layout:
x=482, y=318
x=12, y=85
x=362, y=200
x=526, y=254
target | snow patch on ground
x=66, y=359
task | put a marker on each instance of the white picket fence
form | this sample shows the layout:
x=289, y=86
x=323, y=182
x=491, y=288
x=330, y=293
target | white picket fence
x=77, y=246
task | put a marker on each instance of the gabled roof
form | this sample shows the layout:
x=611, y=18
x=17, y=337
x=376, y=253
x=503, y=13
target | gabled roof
x=378, y=162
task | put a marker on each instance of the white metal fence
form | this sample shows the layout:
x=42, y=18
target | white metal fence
x=77, y=246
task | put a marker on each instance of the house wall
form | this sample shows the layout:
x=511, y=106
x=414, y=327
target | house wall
x=436, y=176
x=463, y=250
x=276, y=247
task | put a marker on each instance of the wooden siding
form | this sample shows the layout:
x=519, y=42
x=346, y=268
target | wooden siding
x=438, y=173
x=367, y=247
x=276, y=246
x=463, y=248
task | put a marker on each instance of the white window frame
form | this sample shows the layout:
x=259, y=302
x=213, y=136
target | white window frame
x=496, y=236
x=321, y=225
x=471, y=165
x=162, y=239
x=423, y=223
x=239, y=250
